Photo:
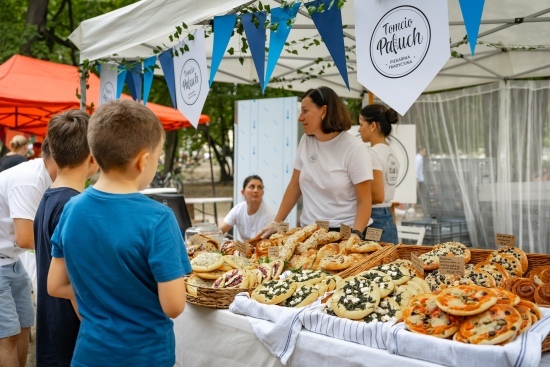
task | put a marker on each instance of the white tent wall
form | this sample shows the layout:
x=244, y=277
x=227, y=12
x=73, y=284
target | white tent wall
x=490, y=146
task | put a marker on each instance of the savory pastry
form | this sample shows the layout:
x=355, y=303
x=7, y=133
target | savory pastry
x=403, y=297
x=266, y=270
x=356, y=298
x=234, y=279
x=425, y=286
x=508, y=262
x=255, y=278
x=438, y=281
x=335, y=262
x=498, y=273
x=540, y=274
x=517, y=253
x=331, y=281
x=238, y=262
x=398, y=274
x=417, y=287
x=193, y=282
x=277, y=268
x=526, y=319
x=478, y=277
x=382, y=280
x=465, y=300
x=542, y=294
x=302, y=296
x=524, y=288
x=431, y=258
x=303, y=261
x=311, y=242
x=365, y=246
x=493, y=326
x=535, y=310
x=308, y=277
x=506, y=297
x=212, y=275
x=387, y=309
x=262, y=248
x=207, y=261
x=273, y=292
x=407, y=264
x=423, y=316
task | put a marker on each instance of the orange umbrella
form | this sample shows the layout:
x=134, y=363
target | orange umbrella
x=32, y=91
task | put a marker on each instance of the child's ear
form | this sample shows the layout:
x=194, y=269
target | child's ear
x=142, y=159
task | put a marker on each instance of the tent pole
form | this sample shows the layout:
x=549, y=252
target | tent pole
x=82, y=88
x=211, y=171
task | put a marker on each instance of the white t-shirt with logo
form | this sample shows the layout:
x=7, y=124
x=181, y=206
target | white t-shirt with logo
x=249, y=225
x=21, y=189
x=383, y=159
x=328, y=173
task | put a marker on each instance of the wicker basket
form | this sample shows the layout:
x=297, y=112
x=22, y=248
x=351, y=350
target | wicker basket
x=374, y=259
x=478, y=255
x=214, y=297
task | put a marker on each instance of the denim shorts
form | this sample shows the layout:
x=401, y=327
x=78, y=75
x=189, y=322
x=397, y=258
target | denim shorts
x=16, y=308
x=383, y=219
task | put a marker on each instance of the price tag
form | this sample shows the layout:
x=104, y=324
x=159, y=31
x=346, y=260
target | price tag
x=282, y=227
x=373, y=234
x=453, y=265
x=323, y=224
x=345, y=231
x=417, y=263
x=273, y=252
x=505, y=240
x=242, y=247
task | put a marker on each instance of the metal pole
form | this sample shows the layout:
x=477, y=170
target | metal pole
x=212, y=172
x=82, y=88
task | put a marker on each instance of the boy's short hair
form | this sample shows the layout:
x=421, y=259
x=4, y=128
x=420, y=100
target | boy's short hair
x=67, y=135
x=46, y=153
x=120, y=130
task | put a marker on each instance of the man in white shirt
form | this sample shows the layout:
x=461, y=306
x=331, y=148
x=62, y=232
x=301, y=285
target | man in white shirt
x=21, y=189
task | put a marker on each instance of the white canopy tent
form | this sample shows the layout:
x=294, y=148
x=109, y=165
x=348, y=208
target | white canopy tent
x=506, y=123
x=513, y=42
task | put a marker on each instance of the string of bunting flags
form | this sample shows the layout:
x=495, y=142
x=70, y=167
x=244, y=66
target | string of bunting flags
x=400, y=46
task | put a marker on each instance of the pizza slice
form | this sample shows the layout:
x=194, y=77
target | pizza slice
x=495, y=325
x=423, y=316
x=465, y=300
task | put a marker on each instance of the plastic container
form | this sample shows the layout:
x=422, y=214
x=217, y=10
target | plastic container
x=210, y=230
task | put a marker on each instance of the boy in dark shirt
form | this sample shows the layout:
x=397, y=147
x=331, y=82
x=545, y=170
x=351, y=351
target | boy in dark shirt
x=57, y=323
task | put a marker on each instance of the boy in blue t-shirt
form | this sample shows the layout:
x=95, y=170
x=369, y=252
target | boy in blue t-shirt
x=122, y=251
x=57, y=323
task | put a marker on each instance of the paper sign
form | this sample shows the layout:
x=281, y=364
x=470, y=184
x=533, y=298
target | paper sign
x=108, y=83
x=242, y=247
x=323, y=224
x=273, y=252
x=417, y=263
x=505, y=240
x=282, y=227
x=373, y=234
x=345, y=231
x=400, y=47
x=453, y=265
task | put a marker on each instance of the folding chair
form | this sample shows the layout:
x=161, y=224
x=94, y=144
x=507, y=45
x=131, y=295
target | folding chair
x=411, y=233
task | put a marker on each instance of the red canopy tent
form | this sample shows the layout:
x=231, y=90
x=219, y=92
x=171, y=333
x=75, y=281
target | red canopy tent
x=32, y=91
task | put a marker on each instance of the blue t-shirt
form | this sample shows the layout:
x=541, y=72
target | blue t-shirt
x=56, y=322
x=117, y=247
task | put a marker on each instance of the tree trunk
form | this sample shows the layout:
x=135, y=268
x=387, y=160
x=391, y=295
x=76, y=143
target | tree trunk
x=170, y=151
x=37, y=13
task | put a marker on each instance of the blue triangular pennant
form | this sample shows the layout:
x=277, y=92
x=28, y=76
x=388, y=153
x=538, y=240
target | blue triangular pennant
x=223, y=29
x=256, y=41
x=120, y=81
x=472, y=11
x=148, y=73
x=167, y=65
x=133, y=81
x=329, y=25
x=282, y=17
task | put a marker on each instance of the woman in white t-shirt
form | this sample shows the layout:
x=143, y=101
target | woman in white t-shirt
x=376, y=122
x=332, y=171
x=252, y=214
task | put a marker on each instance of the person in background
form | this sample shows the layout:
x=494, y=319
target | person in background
x=21, y=189
x=57, y=323
x=251, y=215
x=17, y=153
x=376, y=122
x=36, y=150
x=332, y=169
x=118, y=252
x=420, y=189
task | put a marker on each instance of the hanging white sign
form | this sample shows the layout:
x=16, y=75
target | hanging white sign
x=401, y=46
x=107, y=82
x=191, y=77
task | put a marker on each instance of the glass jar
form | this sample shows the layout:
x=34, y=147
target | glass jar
x=210, y=230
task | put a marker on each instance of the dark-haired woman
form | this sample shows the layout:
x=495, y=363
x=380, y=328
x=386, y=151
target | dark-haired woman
x=376, y=122
x=252, y=214
x=332, y=170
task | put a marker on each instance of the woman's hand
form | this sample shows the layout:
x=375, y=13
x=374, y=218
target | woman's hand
x=268, y=230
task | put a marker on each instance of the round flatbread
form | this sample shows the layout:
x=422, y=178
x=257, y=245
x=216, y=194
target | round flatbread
x=331, y=282
x=423, y=316
x=239, y=262
x=365, y=246
x=478, y=277
x=535, y=310
x=356, y=298
x=423, y=284
x=212, y=275
x=302, y=296
x=194, y=282
x=493, y=326
x=498, y=273
x=335, y=262
x=465, y=300
x=207, y=261
x=438, y=281
x=403, y=298
x=508, y=262
x=308, y=277
x=517, y=253
x=387, y=309
x=417, y=287
x=526, y=320
x=382, y=280
x=398, y=274
x=273, y=292
x=506, y=297
x=407, y=264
